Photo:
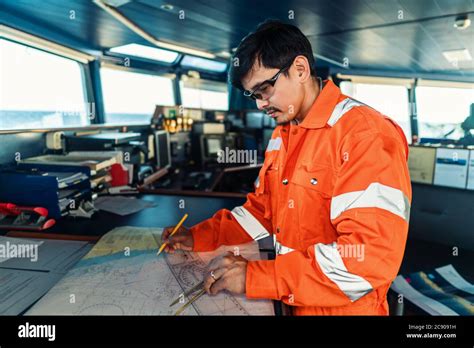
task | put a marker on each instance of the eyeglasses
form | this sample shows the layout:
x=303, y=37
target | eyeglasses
x=265, y=89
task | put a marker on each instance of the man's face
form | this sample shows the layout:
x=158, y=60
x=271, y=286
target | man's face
x=282, y=101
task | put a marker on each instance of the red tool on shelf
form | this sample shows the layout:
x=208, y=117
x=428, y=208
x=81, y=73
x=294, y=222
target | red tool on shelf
x=14, y=217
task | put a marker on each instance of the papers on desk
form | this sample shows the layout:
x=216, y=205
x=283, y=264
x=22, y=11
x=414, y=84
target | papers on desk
x=442, y=291
x=122, y=275
x=30, y=267
x=51, y=255
x=19, y=289
x=121, y=205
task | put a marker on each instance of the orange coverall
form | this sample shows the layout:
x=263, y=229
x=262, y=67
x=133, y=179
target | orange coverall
x=335, y=193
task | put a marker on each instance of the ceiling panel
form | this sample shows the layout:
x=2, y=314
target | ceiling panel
x=368, y=32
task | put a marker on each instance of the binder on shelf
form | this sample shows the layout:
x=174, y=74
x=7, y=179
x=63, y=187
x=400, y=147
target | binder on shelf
x=95, y=160
x=45, y=186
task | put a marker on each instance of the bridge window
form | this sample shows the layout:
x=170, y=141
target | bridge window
x=40, y=90
x=390, y=100
x=441, y=110
x=202, y=94
x=130, y=97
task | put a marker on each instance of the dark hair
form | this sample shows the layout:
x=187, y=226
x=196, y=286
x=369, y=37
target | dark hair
x=273, y=45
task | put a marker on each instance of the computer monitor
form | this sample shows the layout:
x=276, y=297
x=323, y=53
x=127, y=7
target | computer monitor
x=213, y=145
x=206, y=147
x=162, y=149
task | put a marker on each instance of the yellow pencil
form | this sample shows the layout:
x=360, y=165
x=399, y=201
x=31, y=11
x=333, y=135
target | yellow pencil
x=176, y=228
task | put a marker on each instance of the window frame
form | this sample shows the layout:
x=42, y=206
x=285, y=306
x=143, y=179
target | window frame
x=436, y=84
x=86, y=87
x=90, y=76
x=181, y=81
x=412, y=83
x=407, y=83
x=137, y=70
x=111, y=54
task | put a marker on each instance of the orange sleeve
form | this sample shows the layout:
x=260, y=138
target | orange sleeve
x=241, y=225
x=370, y=212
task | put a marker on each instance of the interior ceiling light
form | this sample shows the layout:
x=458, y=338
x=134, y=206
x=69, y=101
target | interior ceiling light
x=462, y=22
x=461, y=55
x=147, y=52
x=138, y=30
x=224, y=54
x=117, y=3
x=167, y=7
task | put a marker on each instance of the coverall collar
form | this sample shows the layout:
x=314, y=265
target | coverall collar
x=323, y=106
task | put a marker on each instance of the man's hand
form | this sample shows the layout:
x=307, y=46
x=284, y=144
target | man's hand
x=226, y=273
x=182, y=239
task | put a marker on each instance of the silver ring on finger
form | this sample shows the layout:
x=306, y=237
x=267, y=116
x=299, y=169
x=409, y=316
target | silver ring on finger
x=213, y=275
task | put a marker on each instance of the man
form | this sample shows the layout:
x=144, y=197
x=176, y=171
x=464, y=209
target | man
x=334, y=190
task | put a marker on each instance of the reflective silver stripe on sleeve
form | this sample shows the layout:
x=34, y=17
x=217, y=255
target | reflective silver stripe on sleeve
x=257, y=182
x=249, y=223
x=274, y=144
x=341, y=108
x=281, y=249
x=376, y=195
x=330, y=262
